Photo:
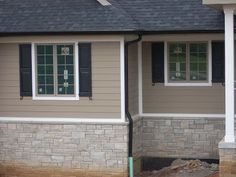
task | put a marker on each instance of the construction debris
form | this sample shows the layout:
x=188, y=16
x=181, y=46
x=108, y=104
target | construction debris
x=185, y=168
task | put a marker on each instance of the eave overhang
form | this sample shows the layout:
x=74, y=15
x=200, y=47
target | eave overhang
x=219, y=4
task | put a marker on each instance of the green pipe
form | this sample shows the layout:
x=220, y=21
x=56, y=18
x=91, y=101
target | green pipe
x=131, y=167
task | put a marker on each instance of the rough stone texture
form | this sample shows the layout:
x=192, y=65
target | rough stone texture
x=227, y=162
x=137, y=137
x=137, y=144
x=182, y=137
x=78, y=147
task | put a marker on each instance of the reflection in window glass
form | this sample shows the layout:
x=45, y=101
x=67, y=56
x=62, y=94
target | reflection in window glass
x=45, y=70
x=188, y=62
x=198, y=62
x=177, y=61
x=65, y=69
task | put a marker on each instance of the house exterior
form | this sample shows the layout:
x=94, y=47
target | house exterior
x=89, y=86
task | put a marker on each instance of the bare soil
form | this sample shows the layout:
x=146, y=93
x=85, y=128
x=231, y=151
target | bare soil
x=185, y=168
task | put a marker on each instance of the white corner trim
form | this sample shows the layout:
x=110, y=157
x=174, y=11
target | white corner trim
x=122, y=79
x=45, y=120
x=33, y=69
x=165, y=63
x=55, y=98
x=76, y=53
x=140, y=78
x=210, y=63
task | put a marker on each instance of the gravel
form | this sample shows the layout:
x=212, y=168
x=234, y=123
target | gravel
x=185, y=168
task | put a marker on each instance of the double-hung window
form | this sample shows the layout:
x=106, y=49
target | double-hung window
x=55, y=70
x=188, y=62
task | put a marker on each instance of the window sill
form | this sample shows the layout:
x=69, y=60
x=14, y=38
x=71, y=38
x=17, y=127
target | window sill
x=189, y=84
x=56, y=98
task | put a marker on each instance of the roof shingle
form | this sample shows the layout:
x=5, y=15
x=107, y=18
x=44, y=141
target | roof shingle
x=38, y=16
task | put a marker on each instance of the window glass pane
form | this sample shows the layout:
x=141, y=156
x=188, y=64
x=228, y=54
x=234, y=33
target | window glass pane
x=49, y=59
x=45, y=66
x=71, y=79
x=41, y=69
x=198, y=62
x=40, y=50
x=49, y=89
x=40, y=60
x=60, y=69
x=202, y=76
x=69, y=59
x=177, y=61
x=49, y=80
x=41, y=89
x=41, y=80
x=45, y=79
x=65, y=69
x=60, y=80
x=70, y=69
x=49, y=69
x=61, y=90
x=60, y=59
x=49, y=49
x=70, y=90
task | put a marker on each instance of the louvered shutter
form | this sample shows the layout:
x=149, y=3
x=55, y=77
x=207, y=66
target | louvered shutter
x=25, y=70
x=218, y=62
x=85, y=74
x=158, y=62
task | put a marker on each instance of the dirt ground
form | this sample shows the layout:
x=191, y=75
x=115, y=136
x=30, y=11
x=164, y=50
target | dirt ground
x=184, y=168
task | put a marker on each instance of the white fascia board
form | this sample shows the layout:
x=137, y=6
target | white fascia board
x=220, y=2
x=62, y=38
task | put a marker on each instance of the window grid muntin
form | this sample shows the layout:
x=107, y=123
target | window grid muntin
x=65, y=65
x=181, y=63
x=55, y=70
x=44, y=65
x=188, y=63
x=198, y=62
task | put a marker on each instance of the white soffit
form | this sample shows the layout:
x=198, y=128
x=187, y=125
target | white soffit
x=104, y=2
x=218, y=4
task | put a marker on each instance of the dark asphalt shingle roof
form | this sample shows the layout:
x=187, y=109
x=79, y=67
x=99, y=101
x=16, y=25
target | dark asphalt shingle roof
x=171, y=15
x=22, y=16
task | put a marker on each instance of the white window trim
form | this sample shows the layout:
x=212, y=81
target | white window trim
x=52, y=98
x=167, y=83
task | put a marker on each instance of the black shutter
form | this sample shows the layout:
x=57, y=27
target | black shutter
x=25, y=70
x=85, y=75
x=218, y=62
x=158, y=62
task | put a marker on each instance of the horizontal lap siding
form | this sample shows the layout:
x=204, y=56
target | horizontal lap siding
x=105, y=102
x=195, y=100
x=133, y=79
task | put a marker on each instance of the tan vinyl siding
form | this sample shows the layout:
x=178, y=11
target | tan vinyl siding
x=133, y=79
x=162, y=99
x=105, y=102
